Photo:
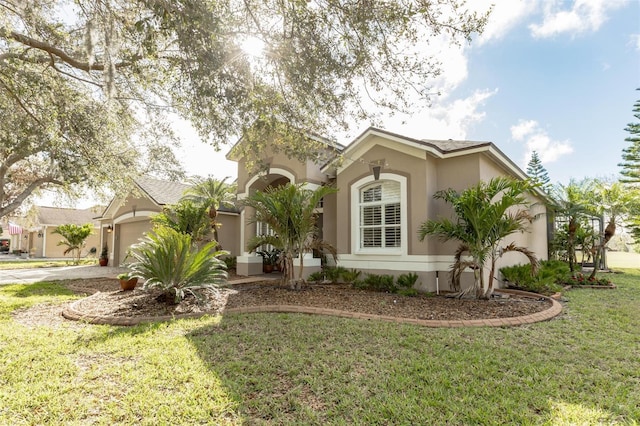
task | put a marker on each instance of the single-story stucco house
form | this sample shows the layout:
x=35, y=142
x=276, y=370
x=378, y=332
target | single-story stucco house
x=36, y=231
x=127, y=218
x=379, y=171
x=396, y=177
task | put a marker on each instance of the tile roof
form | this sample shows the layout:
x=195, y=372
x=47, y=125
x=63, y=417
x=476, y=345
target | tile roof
x=61, y=216
x=451, y=145
x=162, y=192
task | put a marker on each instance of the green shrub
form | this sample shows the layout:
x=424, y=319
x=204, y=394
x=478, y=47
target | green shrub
x=407, y=280
x=351, y=275
x=168, y=260
x=333, y=273
x=544, y=282
x=231, y=262
x=316, y=277
x=380, y=283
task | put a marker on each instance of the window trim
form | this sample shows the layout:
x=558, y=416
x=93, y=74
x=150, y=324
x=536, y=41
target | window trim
x=356, y=188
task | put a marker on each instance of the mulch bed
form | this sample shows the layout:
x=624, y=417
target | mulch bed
x=107, y=300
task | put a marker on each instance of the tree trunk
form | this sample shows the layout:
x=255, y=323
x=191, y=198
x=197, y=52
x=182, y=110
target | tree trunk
x=609, y=232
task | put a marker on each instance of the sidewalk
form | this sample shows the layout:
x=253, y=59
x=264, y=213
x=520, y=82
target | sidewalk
x=28, y=276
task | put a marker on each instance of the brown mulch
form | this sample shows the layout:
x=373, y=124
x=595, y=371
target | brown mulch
x=108, y=300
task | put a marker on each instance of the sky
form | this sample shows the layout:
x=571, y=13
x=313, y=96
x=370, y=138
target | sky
x=557, y=77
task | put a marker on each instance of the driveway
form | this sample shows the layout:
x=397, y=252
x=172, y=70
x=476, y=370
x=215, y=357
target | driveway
x=27, y=276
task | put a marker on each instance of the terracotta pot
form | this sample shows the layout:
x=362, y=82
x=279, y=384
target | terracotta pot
x=129, y=284
x=103, y=261
x=267, y=269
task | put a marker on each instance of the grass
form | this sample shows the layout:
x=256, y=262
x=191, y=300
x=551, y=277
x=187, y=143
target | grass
x=582, y=368
x=30, y=264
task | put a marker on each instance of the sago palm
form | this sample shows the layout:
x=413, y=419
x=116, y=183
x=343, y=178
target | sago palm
x=290, y=212
x=484, y=215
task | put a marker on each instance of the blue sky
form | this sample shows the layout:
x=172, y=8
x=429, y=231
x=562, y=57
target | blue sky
x=558, y=77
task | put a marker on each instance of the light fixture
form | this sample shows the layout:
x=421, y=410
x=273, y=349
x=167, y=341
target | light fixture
x=133, y=209
x=109, y=229
x=376, y=172
x=40, y=234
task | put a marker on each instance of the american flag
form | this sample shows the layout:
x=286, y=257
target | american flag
x=14, y=229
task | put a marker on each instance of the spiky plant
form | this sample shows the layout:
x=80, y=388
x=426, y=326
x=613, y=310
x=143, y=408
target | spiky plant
x=169, y=261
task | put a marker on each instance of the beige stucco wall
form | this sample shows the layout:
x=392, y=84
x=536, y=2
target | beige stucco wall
x=229, y=232
x=49, y=242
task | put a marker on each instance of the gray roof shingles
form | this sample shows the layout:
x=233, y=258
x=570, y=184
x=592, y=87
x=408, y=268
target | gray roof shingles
x=61, y=216
x=162, y=192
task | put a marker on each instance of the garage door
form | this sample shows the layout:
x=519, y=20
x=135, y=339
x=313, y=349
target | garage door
x=129, y=234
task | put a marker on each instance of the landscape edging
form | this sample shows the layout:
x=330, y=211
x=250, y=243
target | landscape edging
x=72, y=313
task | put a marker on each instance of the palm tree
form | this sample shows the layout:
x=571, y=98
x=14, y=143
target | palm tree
x=74, y=238
x=571, y=203
x=185, y=217
x=485, y=215
x=614, y=201
x=213, y=194
x=290, y=211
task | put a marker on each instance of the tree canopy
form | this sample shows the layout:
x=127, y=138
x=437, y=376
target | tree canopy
x=86, y=85
x=631, y=154
x=537, y=173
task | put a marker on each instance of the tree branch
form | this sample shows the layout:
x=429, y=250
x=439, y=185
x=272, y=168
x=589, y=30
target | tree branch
x=59, y=53
x=13, y=205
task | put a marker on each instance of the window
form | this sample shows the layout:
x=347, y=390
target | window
x=380, y=215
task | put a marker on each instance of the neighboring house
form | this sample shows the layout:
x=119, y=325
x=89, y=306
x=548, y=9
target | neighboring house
x=38, y=239
x=386, y=184
x=127, y=218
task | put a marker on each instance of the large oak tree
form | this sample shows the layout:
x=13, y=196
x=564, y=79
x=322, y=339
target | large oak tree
x=87, y=84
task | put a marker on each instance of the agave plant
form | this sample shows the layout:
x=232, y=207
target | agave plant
x=170, y=261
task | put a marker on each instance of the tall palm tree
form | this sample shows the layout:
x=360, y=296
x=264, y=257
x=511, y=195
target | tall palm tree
x=615, y=201
x=290, y=211
x=213, y=194
x=485, y=214
x=571, y=203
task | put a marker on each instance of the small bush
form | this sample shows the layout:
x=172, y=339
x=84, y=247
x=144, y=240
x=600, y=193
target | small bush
x=316, y=277
x=230, y=261
x=333, y=273
x=351, y=275
x=544, y=282
x=407, y=280
x=380, y=283
x=168, y=260
x=409, y=292
x=580, y=279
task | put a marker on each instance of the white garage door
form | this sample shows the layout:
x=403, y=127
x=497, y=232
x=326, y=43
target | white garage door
x=128, y=234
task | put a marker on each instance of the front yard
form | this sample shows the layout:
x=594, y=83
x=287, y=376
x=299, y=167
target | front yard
x=581, y=368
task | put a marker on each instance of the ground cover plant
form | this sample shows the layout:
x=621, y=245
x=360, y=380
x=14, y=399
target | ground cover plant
x=581, y=368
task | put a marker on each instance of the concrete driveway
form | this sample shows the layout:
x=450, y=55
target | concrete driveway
x=27, y=276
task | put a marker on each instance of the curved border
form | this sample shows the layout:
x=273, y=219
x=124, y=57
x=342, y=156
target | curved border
x=72, y=313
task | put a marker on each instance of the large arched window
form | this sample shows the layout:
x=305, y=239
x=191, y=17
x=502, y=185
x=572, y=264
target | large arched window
x=379, y=218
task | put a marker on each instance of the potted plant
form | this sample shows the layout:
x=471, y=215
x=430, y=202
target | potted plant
x=267, y=261
x=104, y=256
x=127, y=282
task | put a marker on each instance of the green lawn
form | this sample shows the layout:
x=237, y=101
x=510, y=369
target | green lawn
x=582, y=368
x=30, y=264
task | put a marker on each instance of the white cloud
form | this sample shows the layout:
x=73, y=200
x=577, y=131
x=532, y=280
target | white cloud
x=535, y=138
x=583, y=16
x=634, y=40
x=506, y=14
x=444, y=120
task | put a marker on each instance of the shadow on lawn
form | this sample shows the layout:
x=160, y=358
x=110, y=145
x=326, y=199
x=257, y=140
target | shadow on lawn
x=44, y=288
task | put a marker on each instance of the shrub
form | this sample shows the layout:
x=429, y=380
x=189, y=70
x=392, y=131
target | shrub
x=407, y=280
x=380, y=283
x=580, y=279
x=168, y=260
x=351, y=275
x=230, y=261
x=316, y=277
x=333, y=273
x=544, y=282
